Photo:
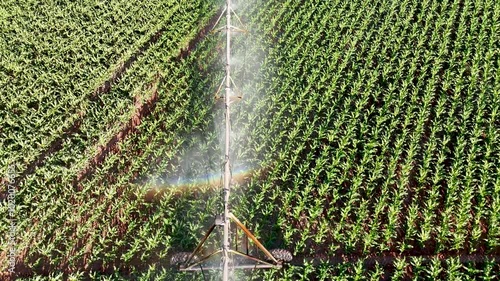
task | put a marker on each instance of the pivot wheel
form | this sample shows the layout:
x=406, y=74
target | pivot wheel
x=281, y=255
x=180, y=258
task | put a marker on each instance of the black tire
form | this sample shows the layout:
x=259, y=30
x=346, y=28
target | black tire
x=180, y=258
x=281, y=255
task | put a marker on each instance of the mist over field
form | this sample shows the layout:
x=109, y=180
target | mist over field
x=365, y=137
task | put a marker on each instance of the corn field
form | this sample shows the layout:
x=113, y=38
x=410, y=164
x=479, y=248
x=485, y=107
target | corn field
x=372, y=130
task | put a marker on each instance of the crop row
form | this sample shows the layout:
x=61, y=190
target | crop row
x=56, y=56
x=400, y=137
x=416, y=268
x=46, y=200
x=374, y=125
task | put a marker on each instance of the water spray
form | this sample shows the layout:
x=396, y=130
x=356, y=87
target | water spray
x=191, y=261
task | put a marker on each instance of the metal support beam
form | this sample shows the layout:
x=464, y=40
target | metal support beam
x=225, y=219
x=258, y=266
x=227, y=165
x=253, y=238
x=200, y=244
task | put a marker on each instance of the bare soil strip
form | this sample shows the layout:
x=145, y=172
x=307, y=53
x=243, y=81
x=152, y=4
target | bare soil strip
x=104, y=88
x=141, y=110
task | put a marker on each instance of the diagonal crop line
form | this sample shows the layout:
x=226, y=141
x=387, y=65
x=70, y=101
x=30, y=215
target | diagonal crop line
x=104, y=88
x=142, y=110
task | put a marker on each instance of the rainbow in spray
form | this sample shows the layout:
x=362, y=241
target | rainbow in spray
x=206, y=182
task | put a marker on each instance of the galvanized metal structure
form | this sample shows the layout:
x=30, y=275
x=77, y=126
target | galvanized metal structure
x=192, y=262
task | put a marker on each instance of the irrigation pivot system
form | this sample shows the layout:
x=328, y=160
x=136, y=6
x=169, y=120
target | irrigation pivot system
x=229, y=250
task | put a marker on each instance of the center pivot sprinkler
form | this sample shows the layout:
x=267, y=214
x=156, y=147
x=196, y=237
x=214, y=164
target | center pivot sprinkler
x=228, y=251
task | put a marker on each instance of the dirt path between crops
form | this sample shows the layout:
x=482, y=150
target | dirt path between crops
x=142, y=110
x=104, y=88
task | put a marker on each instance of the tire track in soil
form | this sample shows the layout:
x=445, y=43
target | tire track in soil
x=104, y=88
x=56, y=144
x=143, y=109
